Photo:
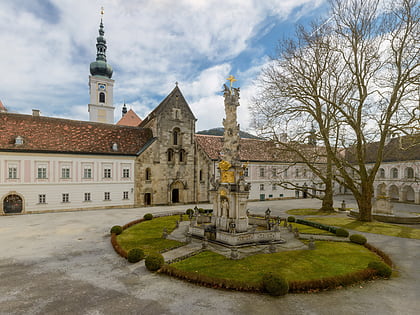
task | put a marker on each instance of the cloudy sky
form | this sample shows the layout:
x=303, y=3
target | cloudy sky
x=47, y=46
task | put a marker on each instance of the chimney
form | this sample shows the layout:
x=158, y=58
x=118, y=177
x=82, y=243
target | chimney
x=36, y=112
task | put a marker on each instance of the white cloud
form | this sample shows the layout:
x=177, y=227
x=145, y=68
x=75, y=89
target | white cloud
x=45, y=58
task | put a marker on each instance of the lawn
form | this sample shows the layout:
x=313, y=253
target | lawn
x=309, y=212
x=370, y=227
x=147, y=235
x=327, y=260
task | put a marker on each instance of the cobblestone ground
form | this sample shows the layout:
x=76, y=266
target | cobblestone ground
x=63, y=263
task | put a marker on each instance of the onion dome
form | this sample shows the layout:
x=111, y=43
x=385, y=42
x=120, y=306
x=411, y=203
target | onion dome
x=100, y=66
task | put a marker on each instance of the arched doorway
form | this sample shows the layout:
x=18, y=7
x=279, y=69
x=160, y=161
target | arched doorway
x=408, y=193
x=177, y=189
x=381, y=190
x=12, y=204
x=147, y=199
x=394, y=192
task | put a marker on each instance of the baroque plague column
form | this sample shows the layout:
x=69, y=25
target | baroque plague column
x=230, y=194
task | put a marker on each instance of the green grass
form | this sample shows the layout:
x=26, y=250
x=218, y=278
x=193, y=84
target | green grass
x=309, y=212
x=305, y=229
x=147, y=235
x=370, y=227
x=327, y=260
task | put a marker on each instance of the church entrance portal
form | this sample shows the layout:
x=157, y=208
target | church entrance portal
x=147, y=199
x=175, y=195
x=12, y=204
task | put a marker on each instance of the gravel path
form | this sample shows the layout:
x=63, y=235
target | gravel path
x=63, y=263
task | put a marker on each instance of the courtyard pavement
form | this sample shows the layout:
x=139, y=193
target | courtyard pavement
x=63, y=263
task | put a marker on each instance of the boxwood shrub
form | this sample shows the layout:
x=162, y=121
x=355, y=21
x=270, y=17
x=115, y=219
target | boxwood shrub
x=290, y=219
x=154, y=261
x=275, y=285
x=358, y=239
x=148, y=216
x=117, y=229
x=135, y=255
x=341, y=232
x=382, y=269
x=189, y=211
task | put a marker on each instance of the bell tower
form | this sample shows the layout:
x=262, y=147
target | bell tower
x=101, y=86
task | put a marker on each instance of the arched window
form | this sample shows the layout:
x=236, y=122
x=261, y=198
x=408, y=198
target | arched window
x=148, y=174
x=409, y=172
x=201, y=175
x=175, y=136
x=381, y=173
x=170, y=155
x=182, y=156
x=394, y=173
x=102, y=97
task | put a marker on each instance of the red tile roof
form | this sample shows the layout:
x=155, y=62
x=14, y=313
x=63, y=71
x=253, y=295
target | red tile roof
x=46, y=134
x=130, y=119
x=249, y=149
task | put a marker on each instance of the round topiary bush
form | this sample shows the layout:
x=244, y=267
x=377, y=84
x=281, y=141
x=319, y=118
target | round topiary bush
x=201, y=210
x=154, y=261
x=291, y=219
x=341, y=232
x=135, y=255
x=148, y=216
x=358, y=239
x=275, y=285
x=189, y=212
x=382, y=269
x=117, y=229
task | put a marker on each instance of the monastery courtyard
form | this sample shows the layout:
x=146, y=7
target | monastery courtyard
x=63, y=263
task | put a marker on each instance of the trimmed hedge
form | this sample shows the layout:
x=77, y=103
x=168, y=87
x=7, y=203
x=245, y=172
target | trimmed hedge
x=117, y=229
x=189, y=211
x=275, y=285
x=154, y=261
x=358, y=239
x=341, y=232
x=291, y=219
x=382, y=269
x=135, y=255
x=148, y=216
x=317, y=225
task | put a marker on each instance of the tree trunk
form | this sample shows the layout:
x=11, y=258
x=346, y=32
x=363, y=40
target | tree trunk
x=365, y=203
x=327, y=201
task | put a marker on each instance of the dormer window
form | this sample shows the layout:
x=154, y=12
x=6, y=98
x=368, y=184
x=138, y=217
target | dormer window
x=18, y=140
x=114, y=147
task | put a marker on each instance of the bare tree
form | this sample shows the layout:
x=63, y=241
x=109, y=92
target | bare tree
x=356, y=77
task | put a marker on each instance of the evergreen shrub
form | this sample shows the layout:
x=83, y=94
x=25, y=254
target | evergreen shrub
x=135, y=255
x=117, y=229
x=154, y=261
x=291, y=219
x=382, y=269
x=341, y=232
x=148, y=216
x=275, y=285
x=189, y=211
x=358, y=239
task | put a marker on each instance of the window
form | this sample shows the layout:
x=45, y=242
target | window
x=175, y=137
x=409, y=172
x=274, y=172
x=170, y=155
x=107, y=173
x=297, y=173
x=102, y=97
x=262, y=172
x=125, y=195
x=304, y=173
x=246, y=172
x=41, y=198
x=87, y=196
x=126, y=173
x=65, y=173
x=274, y=187
x=285, y=173
x=148, y=174
x=65, y=197
x=18, y=140
x=107, y=195
x=261, y=186
x=394, y=173
x=87, y=172
x=182, y=156
x=201, y=175
x=42, y=173
x=381, y=173
x=13, y=172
